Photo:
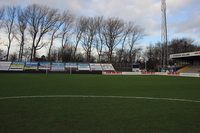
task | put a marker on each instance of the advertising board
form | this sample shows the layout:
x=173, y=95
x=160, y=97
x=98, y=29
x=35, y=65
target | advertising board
x=189, y=74
x=107, y=67
x=72, y=66
x=31, y=66
x=83, y=67
x=58, y=67
x=95, y=67
x=17, y=66
x=4, y=66
x=44, y=66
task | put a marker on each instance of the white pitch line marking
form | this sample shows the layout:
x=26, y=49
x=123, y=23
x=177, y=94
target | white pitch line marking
x=93, y=96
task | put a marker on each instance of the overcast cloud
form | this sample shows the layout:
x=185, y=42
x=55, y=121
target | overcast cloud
x=183, y=15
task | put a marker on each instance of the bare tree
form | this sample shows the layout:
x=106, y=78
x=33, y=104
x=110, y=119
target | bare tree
x=128, y=29
x=2, y=53
x=44, y=25
x=21, y=26
x=80, y=27
x=27, y=53
x=66, y=30
x=99, y=41
x=8, y=22
x=136, y=35
x=182, y=45
x=65, y=53
x=153, y=56
x=89, y=36
x=13, y=57
x=41, y=20
x=112, y=32
x=54, y=34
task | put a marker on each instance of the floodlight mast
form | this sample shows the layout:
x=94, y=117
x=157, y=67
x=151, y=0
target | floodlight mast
x=164, y=36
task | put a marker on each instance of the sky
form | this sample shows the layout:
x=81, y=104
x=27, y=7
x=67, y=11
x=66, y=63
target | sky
x=183, y=16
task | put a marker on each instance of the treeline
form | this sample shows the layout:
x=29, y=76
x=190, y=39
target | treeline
x=79, y=38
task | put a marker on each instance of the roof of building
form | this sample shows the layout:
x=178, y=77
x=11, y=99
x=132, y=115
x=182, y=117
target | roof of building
x=185, y=55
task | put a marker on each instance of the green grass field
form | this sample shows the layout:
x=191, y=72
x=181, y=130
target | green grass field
x=98, y=114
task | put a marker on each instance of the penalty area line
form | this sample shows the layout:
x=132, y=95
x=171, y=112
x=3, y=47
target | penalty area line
x=93, y=96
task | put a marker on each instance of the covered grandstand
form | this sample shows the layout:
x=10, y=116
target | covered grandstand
x=187, y=62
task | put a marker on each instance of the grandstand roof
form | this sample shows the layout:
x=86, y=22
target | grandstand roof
x=188, y=55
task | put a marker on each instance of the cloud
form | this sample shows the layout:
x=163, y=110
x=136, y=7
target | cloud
x=183, y=15
x=10, y=2
x=184, y=19
x=189, y=27
x=177, y=4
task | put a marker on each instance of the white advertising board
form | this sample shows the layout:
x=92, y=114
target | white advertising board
x=44, y=66
x=83, y=67
x=107, y=67
x=190, y=74
x=4, y=66
x=17, y=66
x=131, y=73
x=95, y=67
x=58, y=67
x=71, y=65
x=31, y=66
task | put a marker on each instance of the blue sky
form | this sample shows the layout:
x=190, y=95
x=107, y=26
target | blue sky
x=183, y=15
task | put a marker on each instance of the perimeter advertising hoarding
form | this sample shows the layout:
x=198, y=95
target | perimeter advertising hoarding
x=58, y=67
x=44, y=66
x=31, y=66
x=4, y=66
x=95, y=67
x=72, y=66
x=83, y=67
x=17, y=66
x=190, y=74
x=107, y=67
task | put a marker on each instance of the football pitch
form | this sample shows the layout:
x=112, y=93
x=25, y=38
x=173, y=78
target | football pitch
x=61, y=103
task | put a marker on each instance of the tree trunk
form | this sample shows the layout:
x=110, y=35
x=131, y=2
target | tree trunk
x=7, y=55
x=21, y=50
x=34, y=53
x=110, y=56
x=32, y=49
x=51, y=44
x=9, y=44
x=19, y=56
